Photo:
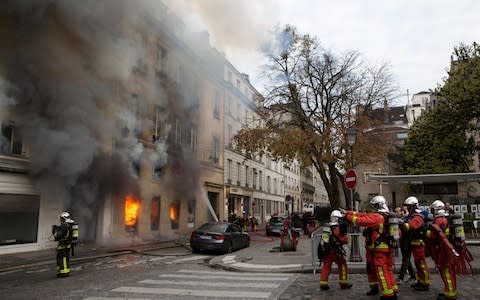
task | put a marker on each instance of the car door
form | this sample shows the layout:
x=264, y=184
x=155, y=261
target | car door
x=239, y=236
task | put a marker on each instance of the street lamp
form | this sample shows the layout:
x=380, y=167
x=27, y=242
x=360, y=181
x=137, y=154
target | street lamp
x=351, y=137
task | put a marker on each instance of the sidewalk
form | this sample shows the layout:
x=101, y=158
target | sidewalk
x=260, y=257
x=83, y=252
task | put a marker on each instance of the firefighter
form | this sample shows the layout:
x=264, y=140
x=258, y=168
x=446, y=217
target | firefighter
x=379, y=237
x=442, y=249
x=331, y=248
x=63, y=234
x=415, y=226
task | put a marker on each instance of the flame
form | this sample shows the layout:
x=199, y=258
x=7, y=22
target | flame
x=132, y=207
x=173, y=213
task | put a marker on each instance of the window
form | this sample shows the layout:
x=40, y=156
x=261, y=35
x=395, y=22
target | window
x=229, y=134
x=193, y=138
x=246, y=176
x=275, y=185
x=215, y=149
x=174, y=214
x=162, y=58
x=229, y=170
x=230, y=76
x=10, y=139
x=268, y=184
x=260, y=179
x=238, y=111
x=254, y=184
x=155, y=214
x=18, y=218
x=159, y=126
x=213, y=200
x=216, y=105
x=229, y=104
x=238, y=173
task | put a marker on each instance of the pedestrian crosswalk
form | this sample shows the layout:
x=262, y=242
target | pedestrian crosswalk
x=204, y=284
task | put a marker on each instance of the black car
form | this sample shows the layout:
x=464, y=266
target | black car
x=275, y=225
x=219, y=236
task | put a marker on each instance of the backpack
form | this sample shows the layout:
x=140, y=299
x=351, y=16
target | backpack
x=391, y=234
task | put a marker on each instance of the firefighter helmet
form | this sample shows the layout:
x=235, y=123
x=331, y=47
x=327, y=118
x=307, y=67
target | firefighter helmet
x=412, y=204
x=334, y=216
x=438, y=208
x=64, y=216
x=411, y=201
x=379, y=203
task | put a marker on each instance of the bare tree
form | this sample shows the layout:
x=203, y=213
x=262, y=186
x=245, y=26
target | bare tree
x=313, y=96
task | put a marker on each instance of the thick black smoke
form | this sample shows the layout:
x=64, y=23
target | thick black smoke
x=64, y=66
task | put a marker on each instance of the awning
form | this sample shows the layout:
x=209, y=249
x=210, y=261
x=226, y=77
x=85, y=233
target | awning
x=422, y=179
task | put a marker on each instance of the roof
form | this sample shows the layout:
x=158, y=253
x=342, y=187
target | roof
x=425, y=178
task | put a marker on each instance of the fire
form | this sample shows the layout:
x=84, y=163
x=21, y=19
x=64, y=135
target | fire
x=132, y=207
x=173, y=213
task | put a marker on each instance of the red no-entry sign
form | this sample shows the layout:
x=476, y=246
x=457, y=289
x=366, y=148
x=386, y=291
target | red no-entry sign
x=350, y=178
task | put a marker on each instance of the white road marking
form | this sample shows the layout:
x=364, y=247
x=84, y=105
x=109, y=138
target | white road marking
x=186, y=292
x=286, y=275
x=232, y=277
x=267, y=267
x=116, y=298
x=213, y=284
x=177, y=261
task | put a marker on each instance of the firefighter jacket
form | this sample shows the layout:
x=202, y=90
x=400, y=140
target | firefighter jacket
x=337, y=239
x=63, y=235
x=377, y=235
x=415, y=225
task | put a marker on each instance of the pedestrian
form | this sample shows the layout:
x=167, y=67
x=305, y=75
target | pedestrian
x=64, y=235
x=415, y=229
x=442, y=250
x=254, y=224
x=405, y=248
x=380, y=243
x=331, y=250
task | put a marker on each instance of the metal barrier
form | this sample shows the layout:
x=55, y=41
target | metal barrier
x=316, y=236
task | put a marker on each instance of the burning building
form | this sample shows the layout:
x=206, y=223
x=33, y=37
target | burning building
x=110, y=112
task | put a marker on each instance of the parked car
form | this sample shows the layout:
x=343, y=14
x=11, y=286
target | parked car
x=275, y=225
x=219, y=236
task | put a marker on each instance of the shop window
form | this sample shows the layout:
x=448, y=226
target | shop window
x=174, y=215
x=18, y=219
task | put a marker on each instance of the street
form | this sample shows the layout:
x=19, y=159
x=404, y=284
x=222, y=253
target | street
x=175, y=273
x=143, y=277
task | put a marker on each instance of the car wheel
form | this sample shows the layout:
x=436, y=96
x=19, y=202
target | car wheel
x=195, y=250
x=247, y=244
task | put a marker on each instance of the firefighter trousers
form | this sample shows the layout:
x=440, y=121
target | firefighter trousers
x=449, y=281
x=330, y=258
x=423, y=272
x=383, y=264
x=63, y=261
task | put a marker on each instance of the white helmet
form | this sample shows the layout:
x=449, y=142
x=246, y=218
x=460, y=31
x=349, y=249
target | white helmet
x=412, y=204
x=379, y=203
x=65, y=217
x=334, y=216
x=411, y=201
x=438, y=208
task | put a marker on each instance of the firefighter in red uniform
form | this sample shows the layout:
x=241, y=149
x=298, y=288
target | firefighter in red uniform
x=439, y=253
x=63, y=234
x=331, y=249
x=381, y=248
x=415, y=225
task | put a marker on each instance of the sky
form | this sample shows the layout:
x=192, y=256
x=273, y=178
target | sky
x=416, y=38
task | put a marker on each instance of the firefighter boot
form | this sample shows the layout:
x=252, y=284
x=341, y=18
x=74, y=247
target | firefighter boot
x=346, y=286
x=324, y=287
x=420, y=287
x=394, y=297
x=443, y=297
x=373, y=290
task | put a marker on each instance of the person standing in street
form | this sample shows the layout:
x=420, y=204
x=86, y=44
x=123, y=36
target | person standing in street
x=379, y=238
x=415, y=226
x=442, y=250
x=331, y=249
x=405, y=248
x=63, y=234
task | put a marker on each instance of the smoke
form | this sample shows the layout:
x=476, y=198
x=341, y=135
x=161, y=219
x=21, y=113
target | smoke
x=66, y=70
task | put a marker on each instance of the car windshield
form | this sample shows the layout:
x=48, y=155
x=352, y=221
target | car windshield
x=276, y=220
x=213, y=227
